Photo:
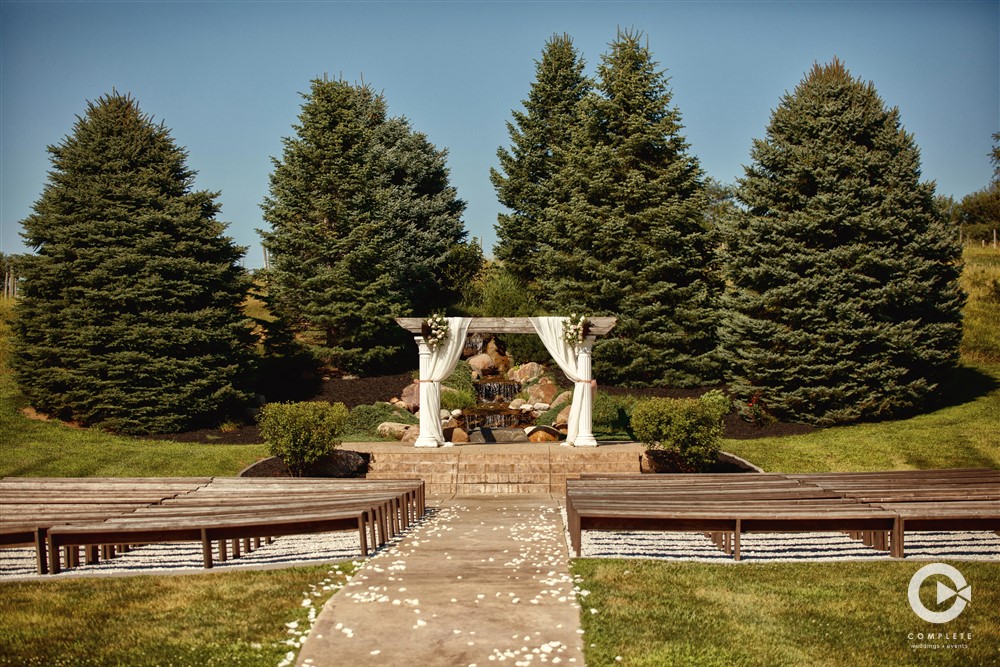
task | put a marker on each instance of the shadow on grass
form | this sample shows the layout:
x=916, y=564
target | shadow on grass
x=964, y=385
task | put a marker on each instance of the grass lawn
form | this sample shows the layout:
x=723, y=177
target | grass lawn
x=654, y=614
x=222, y=619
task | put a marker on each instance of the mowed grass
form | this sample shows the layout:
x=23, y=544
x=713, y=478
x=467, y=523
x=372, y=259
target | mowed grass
x=656, y=614
x=221, y=619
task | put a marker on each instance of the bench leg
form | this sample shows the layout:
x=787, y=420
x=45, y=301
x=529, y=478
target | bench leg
x=736, y=540
x=363, y=535
x=41, y=548
x=898, y=529
x=206, y=549
x=54, y=566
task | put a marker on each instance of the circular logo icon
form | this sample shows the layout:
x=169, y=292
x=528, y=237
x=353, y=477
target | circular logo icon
x=962, y=592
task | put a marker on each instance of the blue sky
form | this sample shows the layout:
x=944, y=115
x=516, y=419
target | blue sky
x=226, y=78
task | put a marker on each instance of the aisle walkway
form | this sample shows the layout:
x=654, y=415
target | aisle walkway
x=484, y=582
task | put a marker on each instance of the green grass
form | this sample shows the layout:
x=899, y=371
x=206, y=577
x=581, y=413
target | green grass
x=657, y=614
x=981, y=280
x=223, y=619
x=964, y=434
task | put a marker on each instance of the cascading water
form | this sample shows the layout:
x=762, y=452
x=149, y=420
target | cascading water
x=492, y=409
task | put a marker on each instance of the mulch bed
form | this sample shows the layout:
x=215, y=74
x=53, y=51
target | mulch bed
x=365, y=391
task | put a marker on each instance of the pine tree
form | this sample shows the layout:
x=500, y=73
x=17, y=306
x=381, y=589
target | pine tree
x=630, y=236
x=845, y=302
x=130, y=318
x=363, y=227
x=540, y=138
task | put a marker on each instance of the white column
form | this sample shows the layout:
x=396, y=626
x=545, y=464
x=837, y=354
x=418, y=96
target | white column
x=585, y=436
x=428, y=413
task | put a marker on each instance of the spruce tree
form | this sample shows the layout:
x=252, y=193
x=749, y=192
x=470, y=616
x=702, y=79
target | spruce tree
x=845, y=302
x=629, y=236
x=540, y=138
x=363, y=228
x=130, y=318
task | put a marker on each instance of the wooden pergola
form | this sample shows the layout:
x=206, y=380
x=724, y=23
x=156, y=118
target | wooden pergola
x=595, y=326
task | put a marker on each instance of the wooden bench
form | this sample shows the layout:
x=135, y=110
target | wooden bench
x=876, y=508
x=56, y=514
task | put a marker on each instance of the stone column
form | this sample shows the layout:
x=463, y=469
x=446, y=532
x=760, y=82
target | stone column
x=585, y=437
x=428, y=413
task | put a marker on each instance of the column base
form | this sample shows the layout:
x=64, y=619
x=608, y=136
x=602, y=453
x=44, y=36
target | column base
x=426, y=441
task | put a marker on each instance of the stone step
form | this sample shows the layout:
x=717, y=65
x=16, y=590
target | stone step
x=464, y=471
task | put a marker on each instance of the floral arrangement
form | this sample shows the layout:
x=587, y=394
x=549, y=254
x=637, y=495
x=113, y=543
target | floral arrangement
x=575, y=328
x=435, y=330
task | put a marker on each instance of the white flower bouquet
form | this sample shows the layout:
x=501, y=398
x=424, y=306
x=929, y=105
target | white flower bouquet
x=435, y=330
x=575, y=328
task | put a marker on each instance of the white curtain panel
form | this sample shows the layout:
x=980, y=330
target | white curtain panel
x=577, y=369
x=434, y=368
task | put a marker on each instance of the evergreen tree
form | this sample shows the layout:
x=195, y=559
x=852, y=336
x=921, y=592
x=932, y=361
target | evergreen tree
x=845, y=301
x=629, y=234
x=130, y=318
x=540, y=138
x=364, y=227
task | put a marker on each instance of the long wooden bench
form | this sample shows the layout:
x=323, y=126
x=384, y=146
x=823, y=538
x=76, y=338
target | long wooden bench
x=876, y=508
x=56, y=514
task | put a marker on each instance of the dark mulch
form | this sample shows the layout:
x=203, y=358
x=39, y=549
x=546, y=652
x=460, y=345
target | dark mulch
x=365, y=391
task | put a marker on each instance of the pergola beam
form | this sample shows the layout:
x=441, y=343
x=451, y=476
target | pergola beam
x=599, y=326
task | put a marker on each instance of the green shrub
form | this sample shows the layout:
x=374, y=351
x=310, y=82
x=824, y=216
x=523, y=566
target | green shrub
x=364, y=419
x=613, y=415
x=689, y=430
x=302, y=434
x=458, y=400
x=460, y=379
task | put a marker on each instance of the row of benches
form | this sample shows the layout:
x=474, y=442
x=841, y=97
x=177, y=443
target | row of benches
x=876, y=508
x=107, y=515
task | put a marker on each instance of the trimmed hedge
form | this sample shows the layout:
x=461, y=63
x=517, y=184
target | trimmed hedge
x=688, y=429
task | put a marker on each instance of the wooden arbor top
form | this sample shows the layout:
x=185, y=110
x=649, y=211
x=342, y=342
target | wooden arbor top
x=599, y=326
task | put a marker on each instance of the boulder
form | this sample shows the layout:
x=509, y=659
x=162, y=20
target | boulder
x=411, y=396
x=526, y=373
x=410, y=436
x=540, y=407
x=498, y=353
x=564, y=397
x=392, y=429
x=516, y=404
x=563, y=416
x=444, y=413
x=542, y=434
x=482, y=362
x=456, y=435
x=492, y=435
x=543, y=391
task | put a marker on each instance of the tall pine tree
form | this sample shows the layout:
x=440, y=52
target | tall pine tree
x=628, y=229
x=130, y=318
x=364, y=228
x=540, y=139
x=845, y=302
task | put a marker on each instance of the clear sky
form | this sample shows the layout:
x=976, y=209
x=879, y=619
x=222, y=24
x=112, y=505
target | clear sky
x=226, y=78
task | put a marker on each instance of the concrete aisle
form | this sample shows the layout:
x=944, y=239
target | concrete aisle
x=485, y=581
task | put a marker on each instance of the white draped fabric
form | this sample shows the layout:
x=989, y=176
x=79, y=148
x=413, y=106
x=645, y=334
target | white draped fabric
x=436, y=365
x=574, y=360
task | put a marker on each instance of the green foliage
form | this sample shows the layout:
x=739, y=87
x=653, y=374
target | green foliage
x=979, y=214
x=458, y=400
x=981, y=324
x=540, y=141
x=460, y=378
x=690, y=429
x=498, y=292
x=364, y=227
x=130, y=314
x=844, y=300
x=626, y=229
x=301, y=434
x=364, y=419
x=612, y=415
x=548, y=418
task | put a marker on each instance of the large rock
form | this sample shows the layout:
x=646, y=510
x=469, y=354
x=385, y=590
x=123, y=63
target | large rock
x=543, y=391
x=392, y=429
x=525, y=373
x=493, y=435
x=482, y=362
x=564, y=397
x=456, y=435
x=499, y=355
x=410, y=436
x=411, y=396
x=542, y=434
x=563, y=416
